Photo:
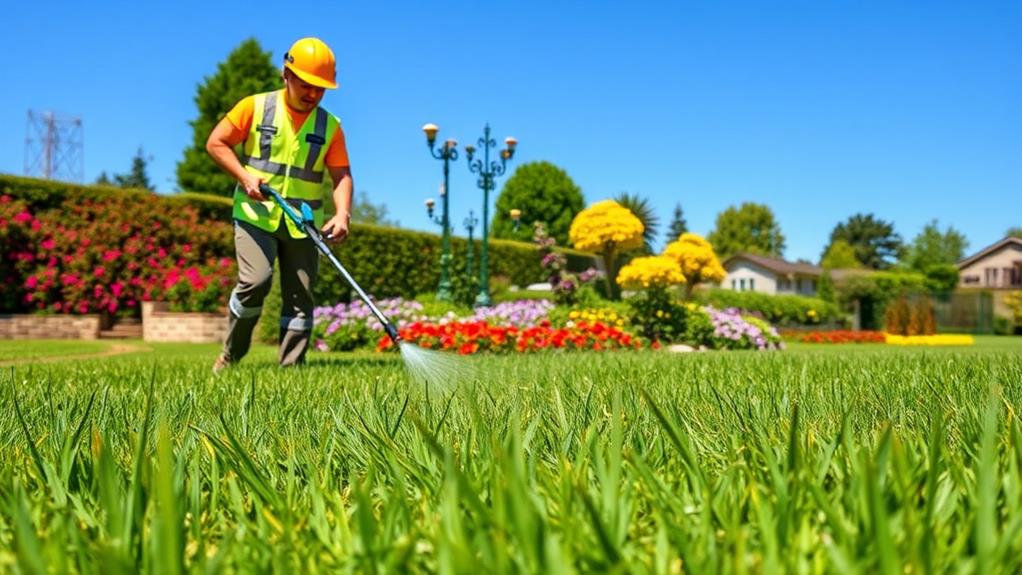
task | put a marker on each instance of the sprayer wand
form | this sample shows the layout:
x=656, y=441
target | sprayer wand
x=305, y=221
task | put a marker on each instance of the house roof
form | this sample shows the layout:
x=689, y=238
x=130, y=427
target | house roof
x=776, y=265
x=1010, y=240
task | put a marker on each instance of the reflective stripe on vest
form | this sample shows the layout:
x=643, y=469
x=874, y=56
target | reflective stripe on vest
x=291, y=160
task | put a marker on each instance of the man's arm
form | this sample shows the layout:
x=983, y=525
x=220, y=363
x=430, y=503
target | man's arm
x=337, y=227
x=220, y=145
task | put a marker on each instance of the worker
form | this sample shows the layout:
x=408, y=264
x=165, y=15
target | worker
x=297, y=148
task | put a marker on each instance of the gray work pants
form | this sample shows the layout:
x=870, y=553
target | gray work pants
x=299, y=264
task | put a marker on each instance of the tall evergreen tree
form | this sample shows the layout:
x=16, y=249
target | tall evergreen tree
x=678, y=224
x=248, y=70
x=137, y=177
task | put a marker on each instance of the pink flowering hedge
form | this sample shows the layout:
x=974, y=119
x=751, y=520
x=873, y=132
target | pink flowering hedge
x=107, y=253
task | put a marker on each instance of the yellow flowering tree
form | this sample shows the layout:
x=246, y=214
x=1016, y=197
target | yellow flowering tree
x=606, y=228
x=697, y=260
x=654, y=311
x=650, y=272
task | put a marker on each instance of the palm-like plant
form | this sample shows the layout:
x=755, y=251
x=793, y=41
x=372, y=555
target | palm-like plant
x=643, y=209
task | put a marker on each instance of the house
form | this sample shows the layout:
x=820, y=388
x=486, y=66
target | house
x=751, y=272
x=995, y=267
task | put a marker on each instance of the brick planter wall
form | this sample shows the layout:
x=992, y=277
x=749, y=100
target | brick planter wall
x=158, y=324
x=30, y=326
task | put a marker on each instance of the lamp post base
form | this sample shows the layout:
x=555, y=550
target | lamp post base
x=444, y=292
x=483, y=300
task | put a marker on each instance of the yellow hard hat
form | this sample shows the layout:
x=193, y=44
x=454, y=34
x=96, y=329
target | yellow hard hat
x=312, y=60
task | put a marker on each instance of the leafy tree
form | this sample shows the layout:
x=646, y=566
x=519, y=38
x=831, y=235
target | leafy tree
x=934, y=247
x=248, y=70
x=750, y=228
x=678, y=224
x=1015, y=232
x=876, y=244
x=642, y=209
x=839, y=255
x=544, y=193
x=138, y=177
x=364, y=211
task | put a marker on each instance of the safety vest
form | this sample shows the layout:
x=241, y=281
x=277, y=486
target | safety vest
x=291, y=163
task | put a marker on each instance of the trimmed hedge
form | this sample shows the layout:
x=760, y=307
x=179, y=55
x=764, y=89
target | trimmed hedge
x=385, y=261
x=784, y=310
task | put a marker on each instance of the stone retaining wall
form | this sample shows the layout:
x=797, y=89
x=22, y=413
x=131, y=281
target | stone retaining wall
x=160, y=325
x=31, y=326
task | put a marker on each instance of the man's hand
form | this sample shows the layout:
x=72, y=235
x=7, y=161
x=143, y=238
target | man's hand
x=250, y=183
x=336, y=229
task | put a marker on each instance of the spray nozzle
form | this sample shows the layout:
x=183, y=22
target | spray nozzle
x=392, y=332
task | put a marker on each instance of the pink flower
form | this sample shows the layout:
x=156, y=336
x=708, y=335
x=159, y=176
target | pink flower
x=23, y=217
x=111, y=255
x=117, y=288
x=162, y=253
x=83, y=307
x=48, y=244
x=31, y=282
x=100, y=270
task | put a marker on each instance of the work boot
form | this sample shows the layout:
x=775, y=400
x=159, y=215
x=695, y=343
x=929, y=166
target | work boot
x=221, y=363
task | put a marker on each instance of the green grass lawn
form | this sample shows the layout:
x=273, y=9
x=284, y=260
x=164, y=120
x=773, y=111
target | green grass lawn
x=820, y=458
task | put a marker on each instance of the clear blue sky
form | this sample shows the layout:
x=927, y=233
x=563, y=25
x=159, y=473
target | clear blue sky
x=910, y=110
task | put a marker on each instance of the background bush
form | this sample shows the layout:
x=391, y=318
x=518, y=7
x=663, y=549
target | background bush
x=783, y=310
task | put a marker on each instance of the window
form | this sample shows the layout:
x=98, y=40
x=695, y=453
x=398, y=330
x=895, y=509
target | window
x=991, y=277
x=742, y=284
x=970, y=280
x=1009, y=277
x=752, y=284
x=734, y=283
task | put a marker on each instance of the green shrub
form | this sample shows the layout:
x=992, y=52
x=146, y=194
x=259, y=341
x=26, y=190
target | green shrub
x=658, y=316
x=783, y=310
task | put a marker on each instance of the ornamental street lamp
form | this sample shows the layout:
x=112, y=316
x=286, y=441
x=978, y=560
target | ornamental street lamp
x=516, y=218
x=470, y=223
x=448, y=152
x=487, y=171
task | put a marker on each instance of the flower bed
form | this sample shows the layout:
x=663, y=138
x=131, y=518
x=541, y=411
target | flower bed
x=842, y=336
x=345, y=327
x=729, y=329
x=944, y=339
x=479, y=336
x=91, y=256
